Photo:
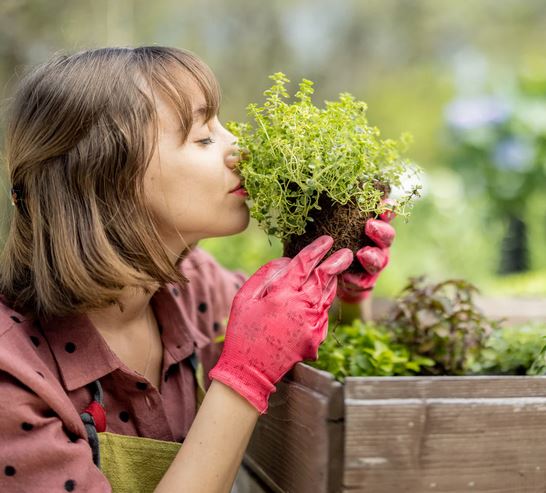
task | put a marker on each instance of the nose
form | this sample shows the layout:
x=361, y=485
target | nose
x=234, y=156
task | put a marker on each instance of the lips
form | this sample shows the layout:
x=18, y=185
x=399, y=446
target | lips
x=237, y=187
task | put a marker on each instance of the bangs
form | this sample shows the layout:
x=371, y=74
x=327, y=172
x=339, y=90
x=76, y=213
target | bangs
x=173, y=72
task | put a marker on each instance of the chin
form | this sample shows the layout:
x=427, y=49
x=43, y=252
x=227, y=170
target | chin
x=241, y=225
x=235, y=226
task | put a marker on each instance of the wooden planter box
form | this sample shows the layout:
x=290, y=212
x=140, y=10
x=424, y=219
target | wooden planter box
x=401, y=434
x=394, y=434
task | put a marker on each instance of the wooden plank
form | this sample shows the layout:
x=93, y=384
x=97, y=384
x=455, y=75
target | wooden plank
x=322, y=382
x=336, y=454
x=444, y=387
x=318, y=380
x=291, y=444
x=327, y=385
x=493, y=445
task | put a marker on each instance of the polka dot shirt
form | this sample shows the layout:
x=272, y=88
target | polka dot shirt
x=46, y=366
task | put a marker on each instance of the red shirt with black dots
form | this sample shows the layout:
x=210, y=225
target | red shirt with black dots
x=45, y=369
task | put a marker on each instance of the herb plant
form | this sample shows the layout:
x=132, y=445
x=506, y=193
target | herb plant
x=301, y=160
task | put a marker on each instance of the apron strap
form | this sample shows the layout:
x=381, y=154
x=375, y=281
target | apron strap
x=194, y=361
x=94, y=420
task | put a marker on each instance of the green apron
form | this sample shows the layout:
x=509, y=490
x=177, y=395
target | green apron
x=132, y=464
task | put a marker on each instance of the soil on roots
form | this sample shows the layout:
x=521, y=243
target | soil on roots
x=344, y=223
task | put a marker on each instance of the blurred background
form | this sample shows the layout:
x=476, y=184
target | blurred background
x=467, y=78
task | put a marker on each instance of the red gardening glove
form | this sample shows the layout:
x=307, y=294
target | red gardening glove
x=353, y=288
x=278, y=318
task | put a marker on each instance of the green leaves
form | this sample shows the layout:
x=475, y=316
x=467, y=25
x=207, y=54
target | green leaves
x=366, y=349
x=298, y=151
x=517, y=350
x=433, y=329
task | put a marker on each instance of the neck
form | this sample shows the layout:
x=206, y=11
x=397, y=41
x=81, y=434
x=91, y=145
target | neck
x=134, y=300
x=112, y=320
x=133, y=335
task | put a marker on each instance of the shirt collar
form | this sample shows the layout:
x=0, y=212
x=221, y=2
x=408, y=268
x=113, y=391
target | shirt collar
x=83, y=355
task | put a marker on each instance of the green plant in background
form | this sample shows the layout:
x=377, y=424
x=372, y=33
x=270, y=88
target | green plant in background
x=539, y=364
x=370, y=349
x=440, y=321
x=299, y=152
x=366, y=349
x=513, y=351
x=433, y=329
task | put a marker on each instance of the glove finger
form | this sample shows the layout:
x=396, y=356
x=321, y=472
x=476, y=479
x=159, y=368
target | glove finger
x=372, y=259
x=257, y=284
x=303, y=264
x=347, y=297
x=316, y=338
x=323, y=331
x=361, y=282
x=321, y=277
x=380, y=232
x=388, y=215
x=329, y=294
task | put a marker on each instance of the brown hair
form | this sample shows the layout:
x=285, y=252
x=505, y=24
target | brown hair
x=81, y=133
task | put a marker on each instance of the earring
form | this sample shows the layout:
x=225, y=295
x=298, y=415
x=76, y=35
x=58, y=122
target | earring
x=15, y=196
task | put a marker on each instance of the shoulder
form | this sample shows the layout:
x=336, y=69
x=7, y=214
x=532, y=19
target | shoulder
x=37, y=415
x=38, y=452
x=19, y=336
x=28, y=370
x=8, y=317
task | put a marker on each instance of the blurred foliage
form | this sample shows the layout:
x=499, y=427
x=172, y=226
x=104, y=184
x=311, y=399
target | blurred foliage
x=498, y=145
x=523, y=284
x=539, y=364
x=407, y=59
x=513, y=351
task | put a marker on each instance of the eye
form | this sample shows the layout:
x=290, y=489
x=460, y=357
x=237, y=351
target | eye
x=206, y=141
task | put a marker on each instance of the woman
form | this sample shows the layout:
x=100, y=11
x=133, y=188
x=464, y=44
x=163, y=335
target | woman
x=119, y=165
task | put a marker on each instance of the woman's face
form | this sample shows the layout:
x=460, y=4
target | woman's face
x=188, y=184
